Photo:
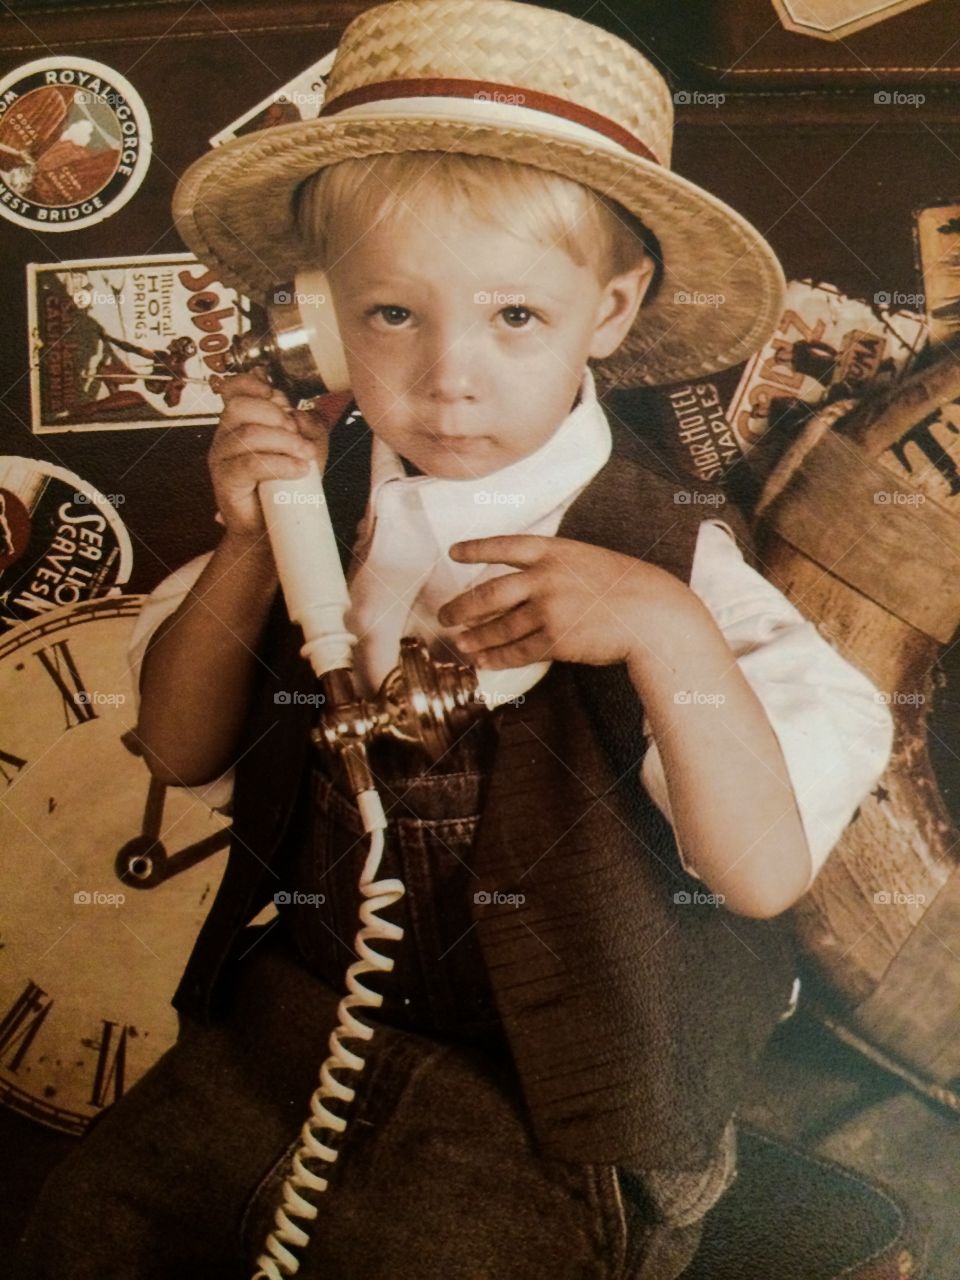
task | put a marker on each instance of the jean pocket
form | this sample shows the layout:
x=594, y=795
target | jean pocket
x=392, y=1063
x=682, y=1197
x=637, y=1220
x=258, y=1218
x=655, y=1250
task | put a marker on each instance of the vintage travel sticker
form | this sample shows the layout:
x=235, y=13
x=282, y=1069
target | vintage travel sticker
x=61, y=540
x=692, y=416
x=937, y=239
x=838, y=19
x=827, y=347
x=128, y=342
x=927, y=456
x=300, y=99
x=74, y=143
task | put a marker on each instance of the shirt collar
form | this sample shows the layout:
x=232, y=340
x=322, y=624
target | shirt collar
x=515, y=496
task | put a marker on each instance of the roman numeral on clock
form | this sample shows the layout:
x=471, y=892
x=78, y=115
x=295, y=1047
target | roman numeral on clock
x=111, y=1065
x=77, y=705
x=20, y=1024
x=15, y=762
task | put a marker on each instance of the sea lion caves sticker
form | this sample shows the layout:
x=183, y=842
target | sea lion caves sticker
x=74, y=143
x=62, y=541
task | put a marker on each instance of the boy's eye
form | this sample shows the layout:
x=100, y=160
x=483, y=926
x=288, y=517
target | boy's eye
x=517, y=317
x=394, y=316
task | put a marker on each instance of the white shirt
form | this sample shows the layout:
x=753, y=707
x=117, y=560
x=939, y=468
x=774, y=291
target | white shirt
x=834, y=731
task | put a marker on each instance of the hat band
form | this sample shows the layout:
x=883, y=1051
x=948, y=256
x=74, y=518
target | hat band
x=511, y=98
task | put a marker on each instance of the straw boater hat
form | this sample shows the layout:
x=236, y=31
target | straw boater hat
x=518, y=82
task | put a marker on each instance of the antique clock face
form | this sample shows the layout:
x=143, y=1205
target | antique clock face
x=105, y=874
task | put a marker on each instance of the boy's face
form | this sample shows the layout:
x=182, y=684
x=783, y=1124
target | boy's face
x=466, y=345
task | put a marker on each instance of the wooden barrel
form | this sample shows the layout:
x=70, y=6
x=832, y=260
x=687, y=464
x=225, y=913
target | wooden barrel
x=881, y=580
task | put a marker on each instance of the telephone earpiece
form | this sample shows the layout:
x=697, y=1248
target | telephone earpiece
x=301, y=345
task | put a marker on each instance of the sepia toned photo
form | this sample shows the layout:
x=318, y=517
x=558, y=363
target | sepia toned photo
x=479, y=713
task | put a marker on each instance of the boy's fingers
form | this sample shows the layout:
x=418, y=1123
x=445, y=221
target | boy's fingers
x=507, y=628
x=310, y=425
x=266, y=466
x=262, y=438
x=520, y=549
x=254, y=384
x=246, y=411
x=488, y=600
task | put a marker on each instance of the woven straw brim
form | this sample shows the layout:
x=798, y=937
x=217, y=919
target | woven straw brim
x=722, y=291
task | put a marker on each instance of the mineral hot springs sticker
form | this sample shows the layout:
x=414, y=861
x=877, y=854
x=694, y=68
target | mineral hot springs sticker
x=74, y=143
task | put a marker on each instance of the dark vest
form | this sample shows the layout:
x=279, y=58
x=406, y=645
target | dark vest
x=633, y=1020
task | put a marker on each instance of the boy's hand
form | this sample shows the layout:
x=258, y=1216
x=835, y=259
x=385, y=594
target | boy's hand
x=571, y=601
x=260, y=437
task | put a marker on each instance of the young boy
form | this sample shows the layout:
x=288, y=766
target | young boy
x=571, y=1017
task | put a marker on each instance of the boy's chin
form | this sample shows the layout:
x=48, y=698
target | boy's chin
x=457, y=469
x=447, y=463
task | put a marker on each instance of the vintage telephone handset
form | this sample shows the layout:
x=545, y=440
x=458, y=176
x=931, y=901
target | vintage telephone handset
x=421, y=701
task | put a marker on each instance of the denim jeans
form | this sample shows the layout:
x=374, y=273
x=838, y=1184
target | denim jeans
x=436, y=1174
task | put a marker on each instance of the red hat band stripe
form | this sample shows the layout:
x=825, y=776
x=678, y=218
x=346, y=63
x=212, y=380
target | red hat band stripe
x=526, y=98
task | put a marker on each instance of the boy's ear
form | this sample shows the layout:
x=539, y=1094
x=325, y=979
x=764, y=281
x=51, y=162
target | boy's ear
x=619, y=306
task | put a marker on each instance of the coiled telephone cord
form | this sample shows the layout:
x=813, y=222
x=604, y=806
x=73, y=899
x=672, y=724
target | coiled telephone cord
x=277, y=1261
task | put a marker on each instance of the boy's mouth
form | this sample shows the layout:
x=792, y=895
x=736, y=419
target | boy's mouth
x=454, y=441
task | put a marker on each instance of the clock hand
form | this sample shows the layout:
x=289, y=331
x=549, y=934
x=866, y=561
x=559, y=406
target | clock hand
x=143, y=862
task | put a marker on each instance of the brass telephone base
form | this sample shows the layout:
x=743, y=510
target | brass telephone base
x=421, y=701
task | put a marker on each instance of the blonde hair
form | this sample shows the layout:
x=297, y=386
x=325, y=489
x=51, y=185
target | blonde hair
x=522, y=199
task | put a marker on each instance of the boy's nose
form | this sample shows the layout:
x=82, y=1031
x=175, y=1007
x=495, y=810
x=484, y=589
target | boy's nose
x=451, y=371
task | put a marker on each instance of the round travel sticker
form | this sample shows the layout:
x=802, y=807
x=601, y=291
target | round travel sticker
x=62, y=541
x=74, y=143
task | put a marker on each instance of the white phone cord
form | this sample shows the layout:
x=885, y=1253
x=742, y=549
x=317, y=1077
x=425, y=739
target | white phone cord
x=378, y=894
